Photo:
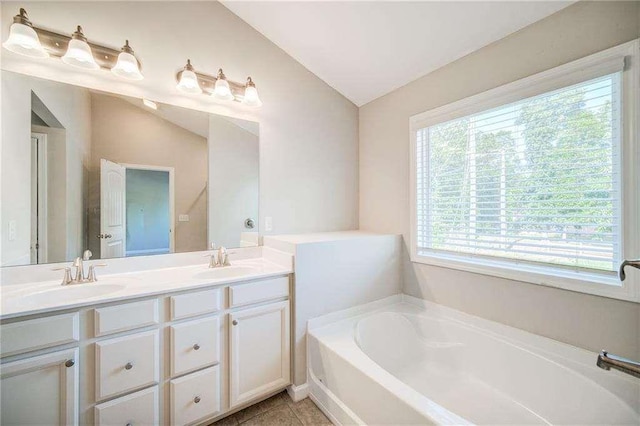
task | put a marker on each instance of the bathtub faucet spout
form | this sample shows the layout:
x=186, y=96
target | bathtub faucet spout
x=607, y=361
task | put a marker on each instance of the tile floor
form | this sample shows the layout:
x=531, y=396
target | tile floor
x=278, y=410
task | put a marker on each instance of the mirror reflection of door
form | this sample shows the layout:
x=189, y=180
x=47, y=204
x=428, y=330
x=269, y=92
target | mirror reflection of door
x=38, y=198
x=112, y=209
x=136, y=209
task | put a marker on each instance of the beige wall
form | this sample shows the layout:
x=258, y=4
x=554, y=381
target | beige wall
x=308, y=131
x=147, y=139
x=579, y=30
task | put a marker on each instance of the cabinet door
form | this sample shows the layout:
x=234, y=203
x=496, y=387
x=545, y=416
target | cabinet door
x=41, y=390
x=259, y=351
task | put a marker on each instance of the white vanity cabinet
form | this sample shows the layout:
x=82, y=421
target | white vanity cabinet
x=259, y=348
x=186, y=357
x=40, y=390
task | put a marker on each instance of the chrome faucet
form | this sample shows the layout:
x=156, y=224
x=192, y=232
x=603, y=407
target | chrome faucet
x=218, y=257
x=223, y=257
x=80, y=277
x=607, y=361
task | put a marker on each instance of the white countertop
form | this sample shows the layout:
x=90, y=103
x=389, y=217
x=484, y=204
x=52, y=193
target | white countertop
x=49, y=296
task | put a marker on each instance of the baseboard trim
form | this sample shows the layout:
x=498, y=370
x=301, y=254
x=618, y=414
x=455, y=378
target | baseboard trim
x=298, y=393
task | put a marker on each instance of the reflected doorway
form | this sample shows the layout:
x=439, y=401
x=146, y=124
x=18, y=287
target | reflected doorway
x=149, y=210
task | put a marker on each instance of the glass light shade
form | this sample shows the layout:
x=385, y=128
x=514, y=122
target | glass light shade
x=79, y=55
x=24, y=40
x=127, y=67
x=222, y=91
x=189, y=82
x=251, y=97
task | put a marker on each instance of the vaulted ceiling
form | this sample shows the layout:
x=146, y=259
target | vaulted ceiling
x=366, y=49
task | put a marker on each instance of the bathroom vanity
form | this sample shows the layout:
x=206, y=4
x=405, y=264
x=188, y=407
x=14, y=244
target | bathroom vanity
x=181, y=345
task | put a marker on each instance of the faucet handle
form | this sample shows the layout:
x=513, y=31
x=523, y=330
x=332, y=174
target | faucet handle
x=223, y=257
x=67, y=274
x=87, y=255
x=92, y=271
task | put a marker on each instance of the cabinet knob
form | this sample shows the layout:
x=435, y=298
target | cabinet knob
x=196, y=347
x=69, y=363
x=129, y=424
x=235, y=322
x=129, y=366
x=196, y=399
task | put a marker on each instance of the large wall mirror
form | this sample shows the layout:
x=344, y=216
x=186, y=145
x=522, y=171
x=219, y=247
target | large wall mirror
x=84, y=169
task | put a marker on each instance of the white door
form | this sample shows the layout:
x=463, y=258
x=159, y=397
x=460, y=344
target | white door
x=41, y=390
x=259, y=351
x=112, y=209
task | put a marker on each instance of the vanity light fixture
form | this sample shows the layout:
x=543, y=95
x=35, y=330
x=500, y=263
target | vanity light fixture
x=251, y=97
x=23, y=39
x=187, y=79
x=127, y=65
x=218, y=87
x=79, y=52
x=222, y=91
x=29, y=40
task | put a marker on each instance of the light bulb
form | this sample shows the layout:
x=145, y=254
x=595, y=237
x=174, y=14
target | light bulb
x=251, y=97
x=23, y=39
x=79, y=52
x=222, y=91
x=127, y=65
x=189, y=80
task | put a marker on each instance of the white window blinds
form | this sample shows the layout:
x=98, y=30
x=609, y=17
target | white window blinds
x=537, y=180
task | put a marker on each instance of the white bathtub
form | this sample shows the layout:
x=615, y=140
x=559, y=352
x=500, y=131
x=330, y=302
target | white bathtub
x=406, y=361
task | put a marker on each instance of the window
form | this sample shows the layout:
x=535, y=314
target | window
x=530, y=176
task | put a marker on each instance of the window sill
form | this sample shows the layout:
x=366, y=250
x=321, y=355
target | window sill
x=606, y=285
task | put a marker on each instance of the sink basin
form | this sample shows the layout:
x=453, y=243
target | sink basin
x=69, y=294
x=225, y=272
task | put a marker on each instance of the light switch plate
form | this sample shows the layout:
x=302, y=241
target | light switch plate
x=183, y=218
x=268, y=223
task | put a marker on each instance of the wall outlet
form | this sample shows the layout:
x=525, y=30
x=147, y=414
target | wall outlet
x=183, y=218
x=268, y=224
x=13, y=230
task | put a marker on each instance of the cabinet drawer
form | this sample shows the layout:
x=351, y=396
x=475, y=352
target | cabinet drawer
x=192, y=304
x=24, y=336
x=194, y=344
x=126, y=363
x=140, y=408
x=195, y=396
x=258, y=291
x=127, y=316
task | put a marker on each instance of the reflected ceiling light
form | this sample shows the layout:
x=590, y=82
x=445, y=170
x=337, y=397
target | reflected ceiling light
x=251, y=97
x=23, y=39
x=188, y=82
x=149, y=103
x=127, y=65
x=222, y=91
x=79, y=52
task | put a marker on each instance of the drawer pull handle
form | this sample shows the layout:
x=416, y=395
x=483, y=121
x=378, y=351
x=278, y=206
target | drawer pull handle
x=196, y=399
x=69, y=363
x=129, y=366
x=235, y=322
x=196, y=347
